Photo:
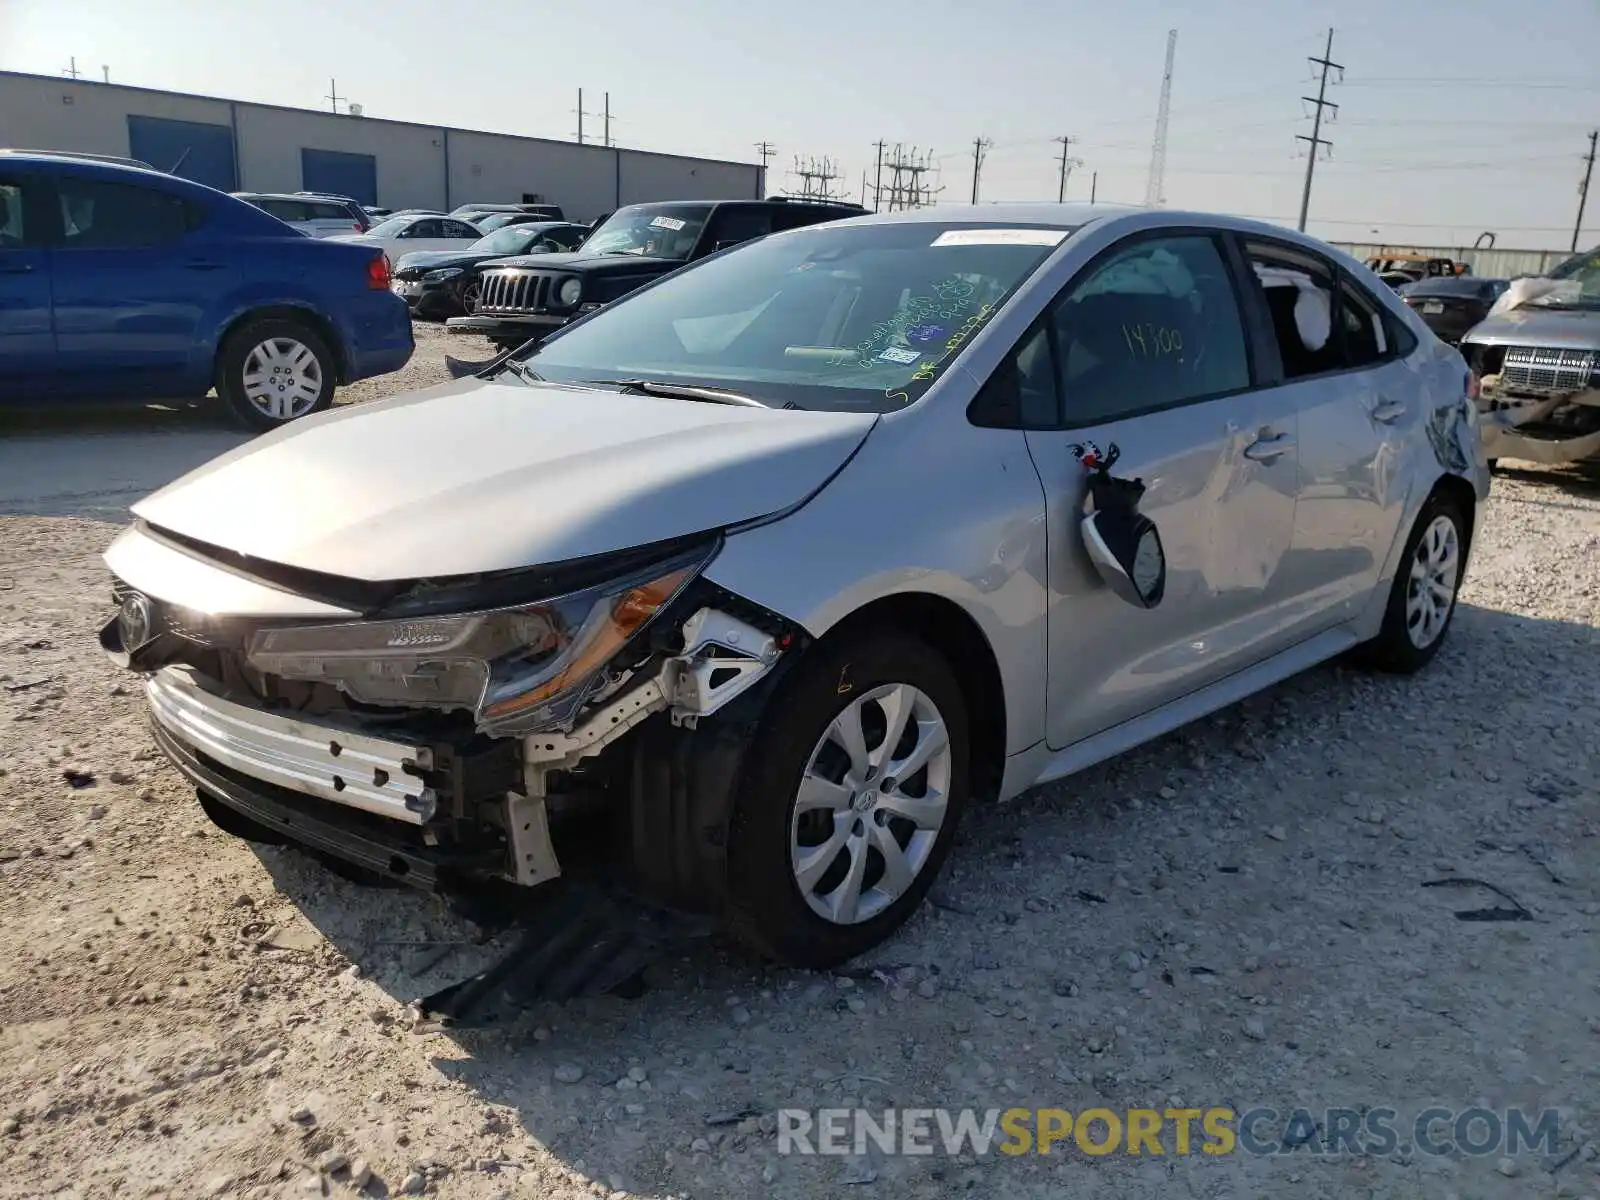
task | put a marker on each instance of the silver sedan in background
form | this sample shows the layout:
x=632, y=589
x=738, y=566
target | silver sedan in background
x=782, y=562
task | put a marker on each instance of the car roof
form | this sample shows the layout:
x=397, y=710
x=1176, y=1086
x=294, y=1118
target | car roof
x=111, y=171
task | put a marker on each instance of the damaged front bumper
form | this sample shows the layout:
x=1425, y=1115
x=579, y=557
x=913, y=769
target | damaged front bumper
x=1519, y=426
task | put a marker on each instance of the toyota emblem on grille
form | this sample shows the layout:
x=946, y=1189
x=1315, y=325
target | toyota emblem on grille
x=136, y=621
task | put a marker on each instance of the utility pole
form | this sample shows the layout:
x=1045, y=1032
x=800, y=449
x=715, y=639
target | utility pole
x=767, y=152
x=1094, y=186
x=877, y=183
x=907, y=188
x=606, y=129
x=1583, y=189
x=73, y=69
x=1066, y=164
x=980, y=149
x=580, y=116
x=106, y=71
x=1316, y=139
x=333, y=96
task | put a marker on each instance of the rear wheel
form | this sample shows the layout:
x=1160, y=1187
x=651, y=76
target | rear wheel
x=470, y=297
x=275, y=371
x=1422, y=599
x=844, y=821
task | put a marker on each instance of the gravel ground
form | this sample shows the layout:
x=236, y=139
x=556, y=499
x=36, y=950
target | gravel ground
x=1235, y=915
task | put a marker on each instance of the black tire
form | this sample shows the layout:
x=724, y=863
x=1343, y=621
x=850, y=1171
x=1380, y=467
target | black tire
x=1394, y=649
x=766, y=908
x=470, y=295
x=280, y=332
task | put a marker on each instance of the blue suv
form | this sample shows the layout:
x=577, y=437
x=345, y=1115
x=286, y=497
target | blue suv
x=124, y=284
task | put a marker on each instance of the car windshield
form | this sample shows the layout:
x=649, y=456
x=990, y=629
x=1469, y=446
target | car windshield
x=390, y=227
x=859, y=318
x=513, y=239
x=659, y=230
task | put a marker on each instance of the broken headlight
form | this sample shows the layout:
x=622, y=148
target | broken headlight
x=517, y=670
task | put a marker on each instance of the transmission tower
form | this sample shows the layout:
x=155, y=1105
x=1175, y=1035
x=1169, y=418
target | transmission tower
x=908, y=185
x=1155, y=189
x=816, y=178
x=1316, y=140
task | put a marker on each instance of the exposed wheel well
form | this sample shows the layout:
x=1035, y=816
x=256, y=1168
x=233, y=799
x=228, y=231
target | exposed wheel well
x=1455, y=488
x=289, y=312
x=944, y=625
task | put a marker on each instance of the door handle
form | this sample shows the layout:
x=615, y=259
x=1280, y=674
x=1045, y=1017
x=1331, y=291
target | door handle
x=15, y=268
x=1387, y=412
x=1269, y=447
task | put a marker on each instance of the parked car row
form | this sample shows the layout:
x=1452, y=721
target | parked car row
x=776, y=563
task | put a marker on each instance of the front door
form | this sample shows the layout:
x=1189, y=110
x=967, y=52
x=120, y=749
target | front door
x=1148, y=354
x=27, y=341
x=130, y=290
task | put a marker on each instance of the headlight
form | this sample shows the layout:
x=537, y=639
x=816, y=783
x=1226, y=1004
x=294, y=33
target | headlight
x=441, y=275
x=570, y=291
x=518, y=670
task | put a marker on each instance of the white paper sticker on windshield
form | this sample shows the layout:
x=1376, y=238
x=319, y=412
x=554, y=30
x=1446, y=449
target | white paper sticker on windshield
x=897, y=354
x=672, y=223
x=1000, y=237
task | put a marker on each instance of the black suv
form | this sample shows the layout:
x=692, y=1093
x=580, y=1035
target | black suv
x=523, y=298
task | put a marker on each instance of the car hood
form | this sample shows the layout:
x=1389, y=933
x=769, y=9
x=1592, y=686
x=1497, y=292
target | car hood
x=479, y=475
x=577, y=260
x=1534, y=325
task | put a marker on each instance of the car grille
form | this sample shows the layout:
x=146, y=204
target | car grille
x=506, y=290
x=1547, y=370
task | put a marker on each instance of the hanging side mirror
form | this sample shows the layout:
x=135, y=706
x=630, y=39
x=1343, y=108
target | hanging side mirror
x=1124, y=544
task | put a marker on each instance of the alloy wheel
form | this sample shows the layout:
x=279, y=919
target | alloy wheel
x=872, y=800
x=282, y=378
x=1435, y=572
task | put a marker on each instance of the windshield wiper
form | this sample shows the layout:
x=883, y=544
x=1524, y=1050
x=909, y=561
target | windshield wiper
x=680, y=391
x=522, y=371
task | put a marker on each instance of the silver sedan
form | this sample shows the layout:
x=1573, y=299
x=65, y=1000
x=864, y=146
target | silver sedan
x=781, y=563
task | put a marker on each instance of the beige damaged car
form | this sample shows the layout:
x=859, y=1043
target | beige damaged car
x=1536, y=358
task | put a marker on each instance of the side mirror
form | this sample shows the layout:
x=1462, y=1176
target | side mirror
x=1124, y=544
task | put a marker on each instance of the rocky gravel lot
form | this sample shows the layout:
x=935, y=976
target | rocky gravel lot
x=1237, y=915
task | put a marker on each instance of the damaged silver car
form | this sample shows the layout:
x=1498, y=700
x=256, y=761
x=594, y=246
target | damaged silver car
x=1536, y=362
x=773, y=568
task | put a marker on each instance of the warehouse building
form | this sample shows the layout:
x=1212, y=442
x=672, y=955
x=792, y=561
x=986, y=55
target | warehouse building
x=235, y=145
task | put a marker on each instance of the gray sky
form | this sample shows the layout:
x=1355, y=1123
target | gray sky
x=1456, y=116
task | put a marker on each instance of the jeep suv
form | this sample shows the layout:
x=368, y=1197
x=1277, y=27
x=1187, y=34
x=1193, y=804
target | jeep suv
x=528, y=297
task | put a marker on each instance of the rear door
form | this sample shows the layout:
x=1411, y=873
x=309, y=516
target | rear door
x=1339, y=364
x=130, y=286
x=1149, y=355
x=27, y=339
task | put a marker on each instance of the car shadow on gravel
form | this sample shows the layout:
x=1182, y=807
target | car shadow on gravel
x=1578, y=479
x=1303, y=821
x=83, y=461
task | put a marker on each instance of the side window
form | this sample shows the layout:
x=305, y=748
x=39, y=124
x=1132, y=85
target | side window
x=1156, y=324
x=1360, y=328
x=459, y=229
x=1298, y=289
x=792, y=216
x=423, y=229
x=117, y=215
x=329, y=212
x=13, y=229
x=292, y=211
x=739, y=224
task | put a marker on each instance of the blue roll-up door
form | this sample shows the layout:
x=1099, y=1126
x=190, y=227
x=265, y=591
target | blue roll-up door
x=353, y=175
x=192, y=149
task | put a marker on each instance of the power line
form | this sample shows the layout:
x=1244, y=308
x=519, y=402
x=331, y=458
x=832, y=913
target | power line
x=1316, y=140
x=1583, y=188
